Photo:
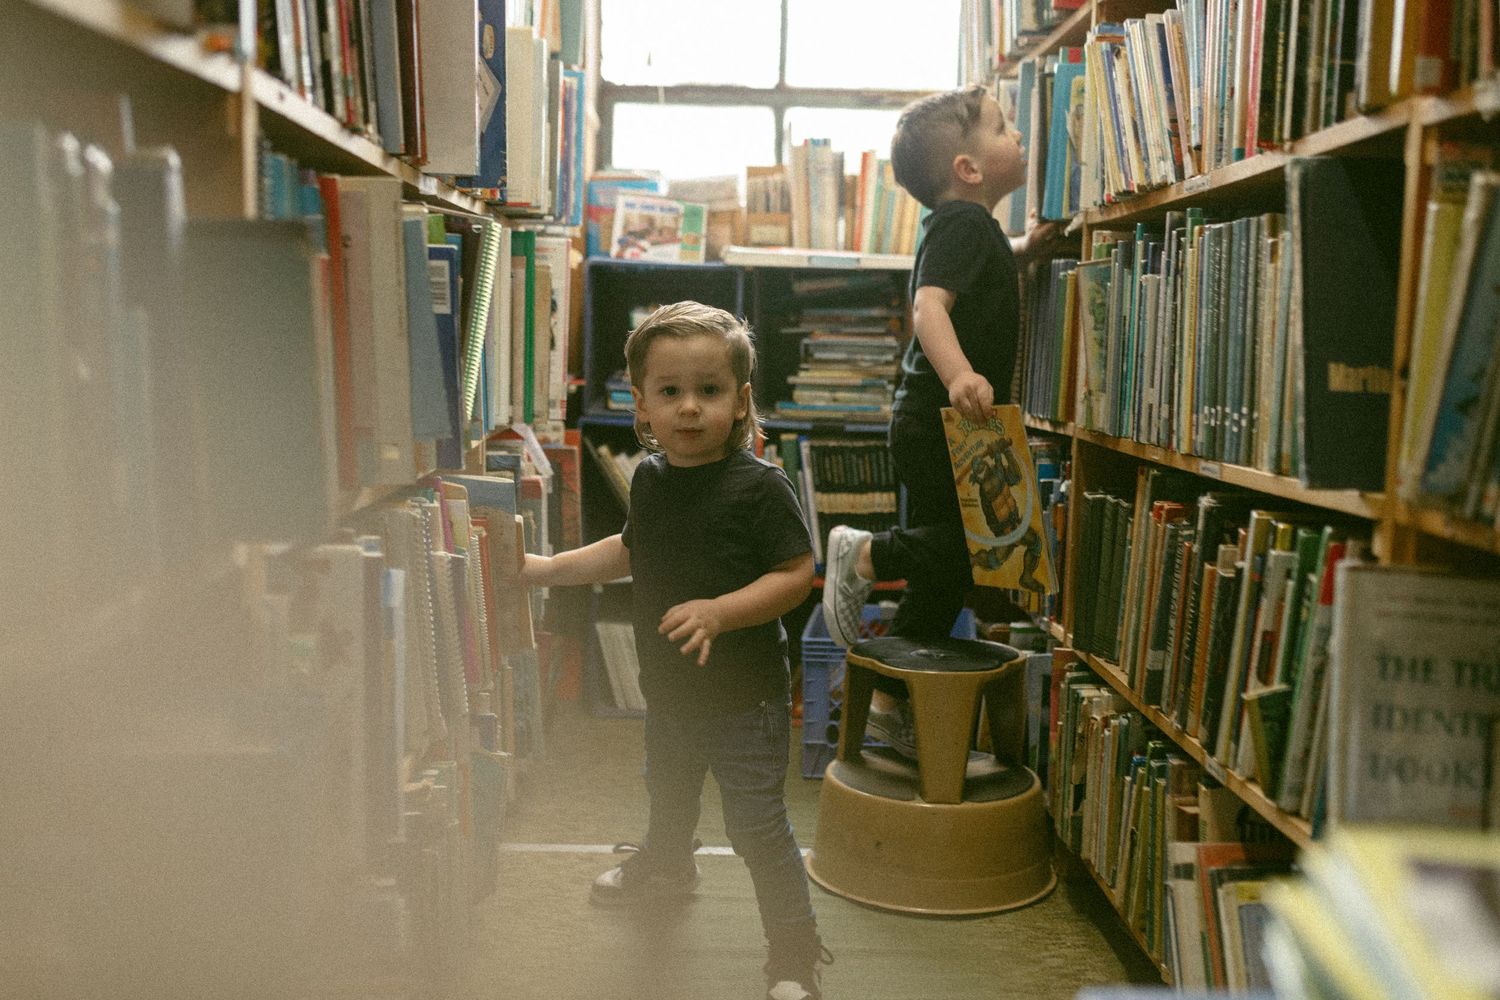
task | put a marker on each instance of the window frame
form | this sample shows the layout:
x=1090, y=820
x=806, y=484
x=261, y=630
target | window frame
x=778, y=98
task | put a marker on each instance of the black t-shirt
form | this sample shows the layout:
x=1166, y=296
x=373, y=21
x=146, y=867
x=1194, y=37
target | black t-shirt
x=965, y=252
x=697, y=533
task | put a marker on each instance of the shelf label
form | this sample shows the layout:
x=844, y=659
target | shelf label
x=815, y=260
x=1213, y=470
x=1196, y=185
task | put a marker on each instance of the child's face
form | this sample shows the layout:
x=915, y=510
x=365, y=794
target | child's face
x=690, y=398
x=996, y=146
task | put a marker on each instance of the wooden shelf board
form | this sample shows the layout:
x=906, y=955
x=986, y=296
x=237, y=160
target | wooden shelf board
x=1440, y=524
x=1135, y=934
x=1227, y=183
x=839, y=260
x=308, y=131
x=1364, y=505
x=1070, y=31
x=129, y=27
x=1387, y=123
x=1296, y=829
x=1478, y=101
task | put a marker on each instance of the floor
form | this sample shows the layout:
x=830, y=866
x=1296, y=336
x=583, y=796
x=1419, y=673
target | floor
x=540, y=939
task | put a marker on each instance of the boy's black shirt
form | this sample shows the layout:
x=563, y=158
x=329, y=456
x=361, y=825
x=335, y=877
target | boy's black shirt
x=697, y=533
x=964, y=251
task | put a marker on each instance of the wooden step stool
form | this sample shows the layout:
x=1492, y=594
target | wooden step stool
x=957, y=832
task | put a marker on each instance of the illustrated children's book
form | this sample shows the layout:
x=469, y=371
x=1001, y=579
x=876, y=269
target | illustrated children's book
x=1000, y=501
x=649, y=227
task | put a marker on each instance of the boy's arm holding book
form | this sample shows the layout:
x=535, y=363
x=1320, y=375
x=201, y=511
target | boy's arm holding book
x=696, y=623
x=606, y=559
x=969, y=392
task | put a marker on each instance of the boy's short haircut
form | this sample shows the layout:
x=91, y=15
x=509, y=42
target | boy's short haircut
x=929, y=134
x=694, y=319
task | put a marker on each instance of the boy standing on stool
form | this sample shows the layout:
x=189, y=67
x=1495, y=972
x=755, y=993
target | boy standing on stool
x=955, y=153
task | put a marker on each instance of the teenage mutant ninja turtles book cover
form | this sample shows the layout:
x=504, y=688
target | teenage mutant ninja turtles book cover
x=1000, y=501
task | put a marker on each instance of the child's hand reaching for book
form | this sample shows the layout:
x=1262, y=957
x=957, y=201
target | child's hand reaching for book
x=972, y=396
x=697, y=622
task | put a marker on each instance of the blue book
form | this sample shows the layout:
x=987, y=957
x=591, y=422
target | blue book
x=442, y=265
x=489, y=183
x=1059, y=149
x=430, y=405
x=385, y=49
x=487, y=491
x=1027, y=76
x=1458, y=426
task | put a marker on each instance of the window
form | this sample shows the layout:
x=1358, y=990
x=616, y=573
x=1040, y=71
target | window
x=703, y=87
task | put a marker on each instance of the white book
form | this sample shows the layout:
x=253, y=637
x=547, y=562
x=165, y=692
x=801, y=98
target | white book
x=526, y=118
x=370, y=210
x=498, y=337
x=450, y=85
x=555, y=251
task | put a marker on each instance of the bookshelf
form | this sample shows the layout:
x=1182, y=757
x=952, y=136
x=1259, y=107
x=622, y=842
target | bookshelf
x=230, y=686
x=1405, y=133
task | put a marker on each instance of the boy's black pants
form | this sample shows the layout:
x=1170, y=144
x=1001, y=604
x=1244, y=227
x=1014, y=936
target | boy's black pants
x=930, y=552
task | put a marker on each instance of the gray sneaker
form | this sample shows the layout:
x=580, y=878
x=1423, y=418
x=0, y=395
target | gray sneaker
x=633, y=883
x=897, y=728
x=844, y=590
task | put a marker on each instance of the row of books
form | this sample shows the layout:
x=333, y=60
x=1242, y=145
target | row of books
x=468, y=316
x=838, y=481
x=1447, y=456
x=1232, y=340
x=1184, y=860
x=1219, y=613
x=414, y=663
x=1152, y=101
x=866, y=212
x=460, y=88
x=618, y=466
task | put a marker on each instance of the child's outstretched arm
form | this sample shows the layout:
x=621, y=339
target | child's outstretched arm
x=606, y=559
x=770, y=596
x=968, y=391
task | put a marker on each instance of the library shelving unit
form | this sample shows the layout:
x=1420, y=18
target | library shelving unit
x=1403, y=132
x=129, y=692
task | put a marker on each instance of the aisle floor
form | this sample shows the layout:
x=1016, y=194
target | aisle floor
x=540, y=939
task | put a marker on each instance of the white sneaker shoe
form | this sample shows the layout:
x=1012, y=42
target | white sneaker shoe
x=844, y=590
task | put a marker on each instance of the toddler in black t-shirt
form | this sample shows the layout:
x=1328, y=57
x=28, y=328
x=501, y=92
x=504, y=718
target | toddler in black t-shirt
x=955, y=153
x=718, y=552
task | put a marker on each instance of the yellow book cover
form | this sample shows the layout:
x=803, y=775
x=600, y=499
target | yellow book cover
x=1000, y=501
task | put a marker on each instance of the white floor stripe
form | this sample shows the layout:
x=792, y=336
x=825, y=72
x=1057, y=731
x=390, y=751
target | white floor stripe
x=599, y=849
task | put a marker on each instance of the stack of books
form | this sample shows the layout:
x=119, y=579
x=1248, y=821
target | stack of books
x=849, y=361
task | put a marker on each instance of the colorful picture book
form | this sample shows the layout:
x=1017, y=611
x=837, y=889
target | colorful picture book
x=650, y=227
x=1000, y=501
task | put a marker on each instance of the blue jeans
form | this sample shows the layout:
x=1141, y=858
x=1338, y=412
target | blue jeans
x=748, y=755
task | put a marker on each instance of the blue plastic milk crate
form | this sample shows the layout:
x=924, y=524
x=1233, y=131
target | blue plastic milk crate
x=823, y=681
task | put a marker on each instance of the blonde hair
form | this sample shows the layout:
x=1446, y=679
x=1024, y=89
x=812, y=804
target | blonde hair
x=929, y=134
x=694, y=319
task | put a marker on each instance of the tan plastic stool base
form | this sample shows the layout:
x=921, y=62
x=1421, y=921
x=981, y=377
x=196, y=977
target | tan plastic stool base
x=900, y=853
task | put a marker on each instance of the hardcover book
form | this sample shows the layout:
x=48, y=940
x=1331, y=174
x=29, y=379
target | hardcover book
x=1413, y=695
x=1000, y=501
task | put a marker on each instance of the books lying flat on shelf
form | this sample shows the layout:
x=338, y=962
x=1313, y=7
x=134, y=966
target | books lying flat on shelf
x=648, y=227
x=998, y=495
